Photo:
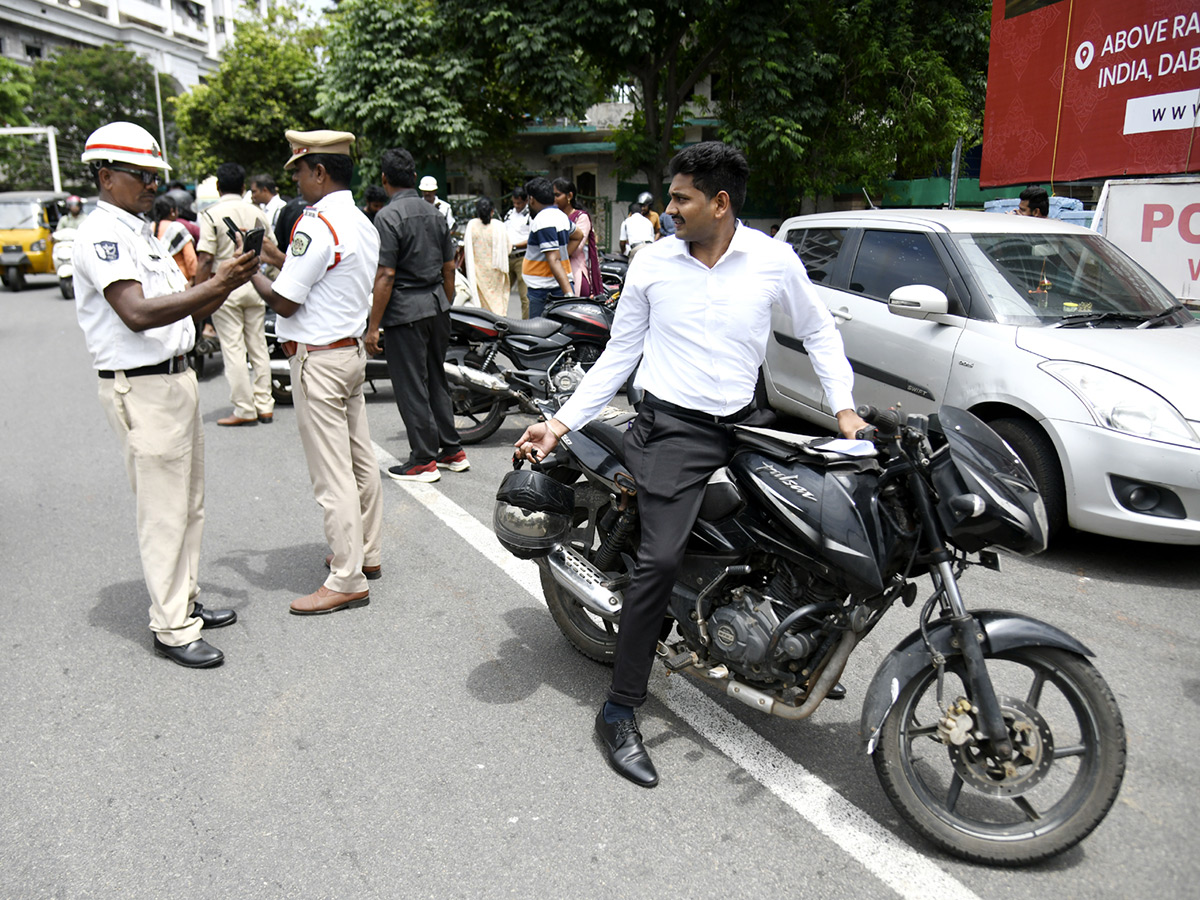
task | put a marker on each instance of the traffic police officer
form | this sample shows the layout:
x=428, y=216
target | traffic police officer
x=323, y=296
x=136, y=311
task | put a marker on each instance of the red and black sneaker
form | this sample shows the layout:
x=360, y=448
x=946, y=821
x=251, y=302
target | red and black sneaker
x=415, y=472
x=455, y=462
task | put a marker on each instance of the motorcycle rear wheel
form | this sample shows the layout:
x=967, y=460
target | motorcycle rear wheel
x=67, y=287
x=477, y=414
x=1060, y=791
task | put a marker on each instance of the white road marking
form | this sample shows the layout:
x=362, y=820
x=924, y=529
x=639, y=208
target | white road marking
x=900, y=867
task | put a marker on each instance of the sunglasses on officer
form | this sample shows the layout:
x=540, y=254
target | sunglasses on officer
x=147, y=178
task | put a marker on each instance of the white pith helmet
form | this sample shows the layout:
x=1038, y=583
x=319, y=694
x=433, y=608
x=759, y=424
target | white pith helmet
x=124, y=142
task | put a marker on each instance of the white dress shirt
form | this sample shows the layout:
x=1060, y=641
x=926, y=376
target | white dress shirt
x=114, y=245
x=702, y=333
x=329, y=271
x=637, y=229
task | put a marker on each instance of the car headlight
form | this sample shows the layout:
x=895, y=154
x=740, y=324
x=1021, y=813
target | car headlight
x=1121, y=404
x=38, y=246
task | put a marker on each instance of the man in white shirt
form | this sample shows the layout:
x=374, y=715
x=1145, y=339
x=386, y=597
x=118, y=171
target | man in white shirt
x=517, y=221
x=264, y=192
x=428, y=189
x=135, y=308
x=323, y=297
x=697, y=312
x=636, y=231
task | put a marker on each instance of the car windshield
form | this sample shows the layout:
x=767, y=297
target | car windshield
x=21, y=214
x=1060, y=278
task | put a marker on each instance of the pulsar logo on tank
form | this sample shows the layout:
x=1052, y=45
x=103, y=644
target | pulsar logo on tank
x=1091, y=89
x=787, y=480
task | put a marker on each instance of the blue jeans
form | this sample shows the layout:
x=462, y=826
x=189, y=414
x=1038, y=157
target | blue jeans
x=538, y=298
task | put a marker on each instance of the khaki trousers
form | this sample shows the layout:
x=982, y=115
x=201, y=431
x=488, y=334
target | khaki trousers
x=240, y=322
x=514, y=274
x=332, y=417
x=157, y=420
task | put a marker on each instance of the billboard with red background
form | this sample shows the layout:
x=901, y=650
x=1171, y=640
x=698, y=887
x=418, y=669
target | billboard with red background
x=1129, y=103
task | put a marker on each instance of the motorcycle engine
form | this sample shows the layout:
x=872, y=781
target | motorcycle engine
x=740, y=633
x=565, y=378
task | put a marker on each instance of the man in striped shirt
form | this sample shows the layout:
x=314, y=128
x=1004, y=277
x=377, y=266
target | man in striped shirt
x=547, y=268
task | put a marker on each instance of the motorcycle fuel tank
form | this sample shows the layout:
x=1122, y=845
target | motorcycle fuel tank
x=816, y=507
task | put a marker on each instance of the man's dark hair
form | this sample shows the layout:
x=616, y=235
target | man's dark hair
x=1037, y=198
x=518, y=193
x=338, y=166
x=231, y=178
x=399, y=167
x=375, y=194
x=714, y=167
x=266, y=182
x=540, y=190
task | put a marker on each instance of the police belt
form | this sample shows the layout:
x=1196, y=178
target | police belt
x=168, y=367
x=695, y=415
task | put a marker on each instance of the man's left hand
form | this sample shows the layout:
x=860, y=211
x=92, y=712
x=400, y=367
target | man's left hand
x=371, y=342
x=849, y=423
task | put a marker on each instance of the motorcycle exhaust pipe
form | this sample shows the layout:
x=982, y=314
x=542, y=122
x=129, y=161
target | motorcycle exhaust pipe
x=584, y=582
x=485, y=381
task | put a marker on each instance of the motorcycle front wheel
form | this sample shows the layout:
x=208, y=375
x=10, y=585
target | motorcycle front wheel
x=67, y=287
x=477, y=414
x=1069, y=759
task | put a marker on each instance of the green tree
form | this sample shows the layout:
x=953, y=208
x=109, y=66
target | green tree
x=16, y=87
x=265, y=85
x=78, y=90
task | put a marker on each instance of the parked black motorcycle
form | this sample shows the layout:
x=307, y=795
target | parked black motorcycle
x=548, y=358
x=991, y=732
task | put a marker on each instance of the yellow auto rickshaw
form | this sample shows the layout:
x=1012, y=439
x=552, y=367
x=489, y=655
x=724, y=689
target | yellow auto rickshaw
x=27, y=221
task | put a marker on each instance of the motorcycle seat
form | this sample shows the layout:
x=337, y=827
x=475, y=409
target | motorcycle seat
x=540, y=327
x=610, y=438
x=813, y=448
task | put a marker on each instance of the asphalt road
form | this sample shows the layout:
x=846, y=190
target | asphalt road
x=438, y=743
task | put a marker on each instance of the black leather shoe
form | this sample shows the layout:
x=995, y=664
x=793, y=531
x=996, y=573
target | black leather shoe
x=196, y=655
x=837, y=692
x=626, y=754
x=214, y=618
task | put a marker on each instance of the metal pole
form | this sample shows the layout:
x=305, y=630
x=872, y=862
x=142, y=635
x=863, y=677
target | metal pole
x=55, y=174
x=162, y=132
x=954, y=172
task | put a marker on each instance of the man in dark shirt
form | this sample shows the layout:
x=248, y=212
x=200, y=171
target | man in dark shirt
x=411, y=301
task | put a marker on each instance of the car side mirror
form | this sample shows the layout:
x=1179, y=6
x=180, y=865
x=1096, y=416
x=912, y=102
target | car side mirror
x=918, y=301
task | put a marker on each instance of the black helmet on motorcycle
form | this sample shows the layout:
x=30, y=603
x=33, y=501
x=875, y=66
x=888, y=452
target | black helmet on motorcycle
x=533, y=513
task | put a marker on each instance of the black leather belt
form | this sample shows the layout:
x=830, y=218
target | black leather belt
x=695, y=415
x=168, y=367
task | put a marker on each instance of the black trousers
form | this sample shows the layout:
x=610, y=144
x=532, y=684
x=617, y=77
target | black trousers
x=671, y=459
x=415, y=355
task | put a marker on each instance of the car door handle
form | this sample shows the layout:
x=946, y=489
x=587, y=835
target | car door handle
x=842, y=315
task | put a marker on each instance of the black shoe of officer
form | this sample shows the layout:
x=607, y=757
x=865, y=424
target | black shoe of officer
x=214, y=618
x=196, y=655
x=626, y=754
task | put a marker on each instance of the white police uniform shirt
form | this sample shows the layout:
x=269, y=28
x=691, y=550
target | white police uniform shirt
x=114, y=245
x=702, y=333
x=446, y=210
x=518, y=224
x=272, y=208
x=329, y=271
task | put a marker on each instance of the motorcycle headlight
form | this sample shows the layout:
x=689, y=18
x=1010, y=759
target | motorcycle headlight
x=1121, y=404
x=38, y=246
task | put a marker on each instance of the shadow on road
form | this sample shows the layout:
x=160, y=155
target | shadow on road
x=1126, y=562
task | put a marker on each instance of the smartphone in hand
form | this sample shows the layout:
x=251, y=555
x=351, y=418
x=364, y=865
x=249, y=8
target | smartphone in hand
x=231, y=228
x=253, y=241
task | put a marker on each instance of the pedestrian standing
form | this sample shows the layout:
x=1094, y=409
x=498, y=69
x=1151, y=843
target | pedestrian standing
x=241, y=320
x=517, y=221
x=486, y=249
x=414, y=284
x=178, y=240
x=636, y=231
x=585, y=259
x=697, y=312
x=429, y=189
x=265, y=193
x=136, y=309
x=322, y=297
x=547, y=266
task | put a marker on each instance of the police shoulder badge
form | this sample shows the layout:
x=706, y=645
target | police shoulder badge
x=107, y=250
x=300, y=242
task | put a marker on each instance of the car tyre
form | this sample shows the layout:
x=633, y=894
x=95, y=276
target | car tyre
x=14, y=278
x=1037, y=453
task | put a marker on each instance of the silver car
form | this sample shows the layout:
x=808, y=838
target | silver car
x=1084, y=363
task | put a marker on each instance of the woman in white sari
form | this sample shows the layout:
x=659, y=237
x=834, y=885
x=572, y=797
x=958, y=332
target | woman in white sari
x=486, y=248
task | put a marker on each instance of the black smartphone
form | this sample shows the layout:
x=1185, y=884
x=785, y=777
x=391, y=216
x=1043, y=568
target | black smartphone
x=231, y=228
x=252, y=242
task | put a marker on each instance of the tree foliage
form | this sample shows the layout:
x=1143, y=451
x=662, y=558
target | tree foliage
x=266, y=84
x=78, y=89
x=16, y=88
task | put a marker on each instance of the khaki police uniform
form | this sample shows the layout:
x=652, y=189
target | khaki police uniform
x=150, y=398
x=329, y=271
x=241, y=320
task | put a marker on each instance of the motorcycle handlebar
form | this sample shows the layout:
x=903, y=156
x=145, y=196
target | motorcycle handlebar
x=885, y=422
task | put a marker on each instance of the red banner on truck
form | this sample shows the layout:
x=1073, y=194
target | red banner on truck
x=1129, y=103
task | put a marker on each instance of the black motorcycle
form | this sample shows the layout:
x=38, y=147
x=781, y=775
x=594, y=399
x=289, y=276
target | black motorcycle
x=991, y=732
x=496, y=363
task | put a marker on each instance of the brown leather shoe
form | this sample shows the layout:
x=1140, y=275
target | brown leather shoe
x=266, y=418
x=372, y=572
x=234, y=420
x=323, y=600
